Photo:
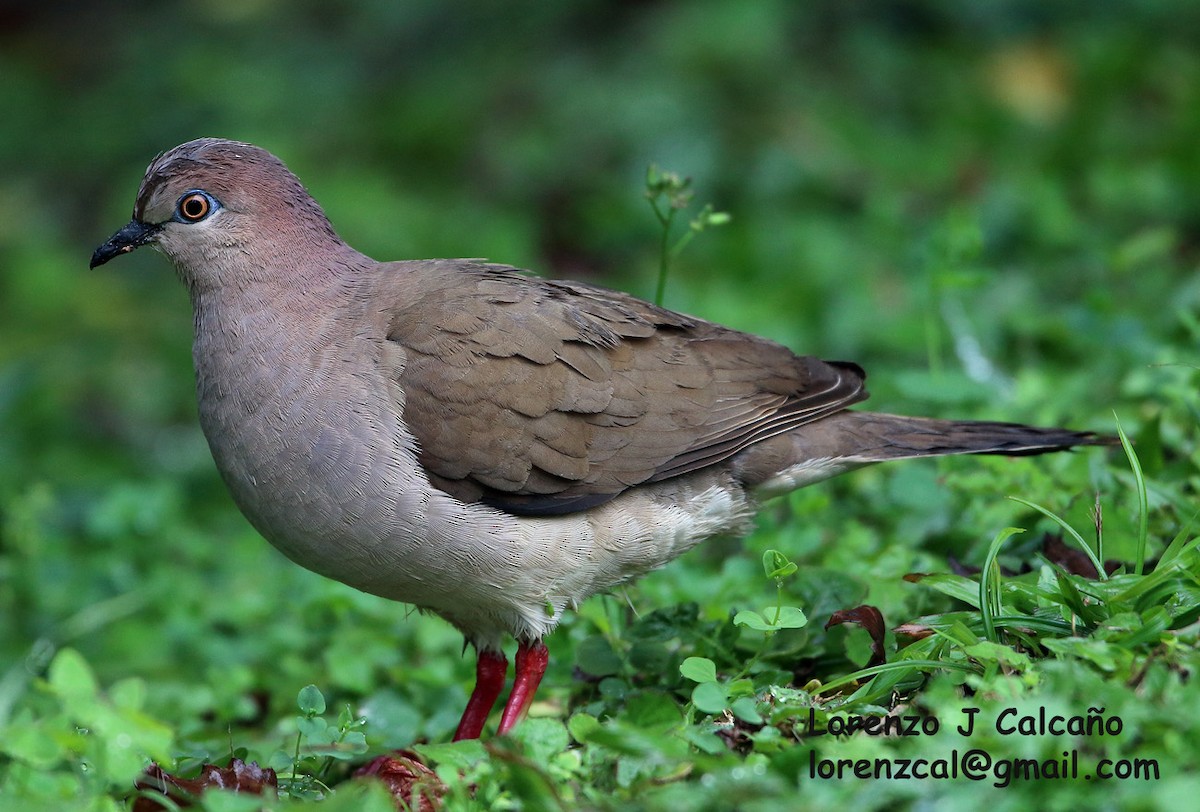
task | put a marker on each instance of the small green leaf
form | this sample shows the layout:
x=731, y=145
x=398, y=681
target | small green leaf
x=752, y=620
x=128, y=694
x=314, y=728
x=790, y=617
x=613, y=688
x=772, y=619
x=740, y=687
x=776, y=565
x=543, y=738
x=280, y=761
x=647, y=655
x=347, y=720
x=746, y=709
x=709, y=697
x=460, y=755
x=595, y=657
x=311, y=701
x=581, y=726
x=71, y=677
x=699, y=669
x=705, y=741
x=32, y=744
x=355, y=741
x=650, y=709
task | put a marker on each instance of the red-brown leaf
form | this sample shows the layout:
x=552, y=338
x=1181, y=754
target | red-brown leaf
x=413, y=785
x=870, y=619
x=238, y=777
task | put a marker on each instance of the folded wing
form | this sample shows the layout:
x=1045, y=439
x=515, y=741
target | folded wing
x=541, y=397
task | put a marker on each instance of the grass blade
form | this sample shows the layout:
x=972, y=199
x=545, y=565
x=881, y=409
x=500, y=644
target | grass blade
x=990, y=604
x=1070, y=531
x=1143, y=501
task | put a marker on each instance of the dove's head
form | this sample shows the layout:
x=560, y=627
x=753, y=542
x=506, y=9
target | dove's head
x=225, y=212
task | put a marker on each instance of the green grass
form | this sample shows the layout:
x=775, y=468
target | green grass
x=994, y=211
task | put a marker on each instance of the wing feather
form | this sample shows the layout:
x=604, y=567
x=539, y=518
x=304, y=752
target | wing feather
x=543, y=397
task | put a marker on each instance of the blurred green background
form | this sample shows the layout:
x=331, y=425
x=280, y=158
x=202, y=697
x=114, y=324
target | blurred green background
x=992, y=206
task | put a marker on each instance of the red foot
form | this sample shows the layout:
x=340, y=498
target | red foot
x=531, y=665
x=491, y=667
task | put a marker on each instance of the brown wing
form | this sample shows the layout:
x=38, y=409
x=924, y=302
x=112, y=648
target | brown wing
x=542, y=397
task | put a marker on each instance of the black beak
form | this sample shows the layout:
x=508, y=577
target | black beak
x=132, y=236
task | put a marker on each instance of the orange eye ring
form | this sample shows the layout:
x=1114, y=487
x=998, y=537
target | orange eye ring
x=194, y=207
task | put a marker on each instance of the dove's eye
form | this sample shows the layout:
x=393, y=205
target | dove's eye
x=195, y=206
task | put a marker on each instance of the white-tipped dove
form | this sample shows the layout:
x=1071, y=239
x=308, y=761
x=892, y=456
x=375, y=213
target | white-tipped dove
x=485, y=445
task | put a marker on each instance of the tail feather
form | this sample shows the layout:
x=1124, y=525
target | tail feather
x=876, y=437
x=852, y=439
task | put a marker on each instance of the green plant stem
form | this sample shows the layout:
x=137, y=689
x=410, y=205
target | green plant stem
x=296, y=756
x=665, y=253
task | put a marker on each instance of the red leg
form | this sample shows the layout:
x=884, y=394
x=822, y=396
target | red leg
x=531, y=664
x=491, y=667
